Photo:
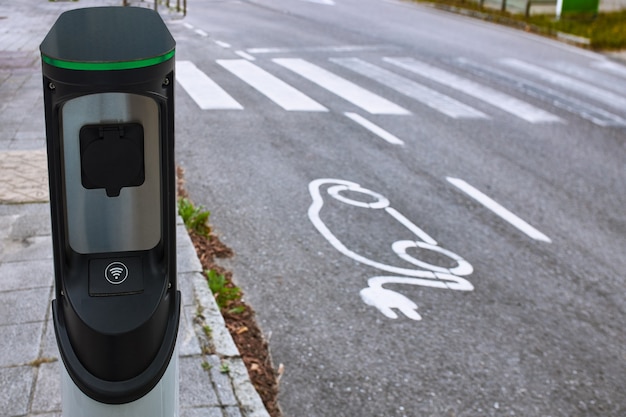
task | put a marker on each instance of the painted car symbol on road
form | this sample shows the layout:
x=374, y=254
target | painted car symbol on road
x=425, y=275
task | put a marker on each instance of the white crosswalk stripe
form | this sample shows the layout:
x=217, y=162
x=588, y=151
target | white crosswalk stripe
x=611, y=67
x=561, y=89
x=410, y=88
x=587, y=111
x=595, y=76
x=273, y=88
x=202, y=89
x=503, y=101
x=345, y=89
x=572, y=84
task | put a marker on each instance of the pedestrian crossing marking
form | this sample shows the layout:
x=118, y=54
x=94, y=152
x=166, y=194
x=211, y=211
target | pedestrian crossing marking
x=611, y=67
x=273, y=88
x=587, y=111
x=497, y=99
x=569, y=83
x=343, y=88
x=606, y=80
x=431, y=98
x=202, y=89
x=208, y=95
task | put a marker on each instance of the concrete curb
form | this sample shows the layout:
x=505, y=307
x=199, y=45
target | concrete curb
x=220, y=342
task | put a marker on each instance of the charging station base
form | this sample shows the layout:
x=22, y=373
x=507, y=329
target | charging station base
x=161, y=401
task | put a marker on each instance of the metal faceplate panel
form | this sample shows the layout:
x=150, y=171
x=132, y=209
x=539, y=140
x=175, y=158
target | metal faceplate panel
x=131, y=221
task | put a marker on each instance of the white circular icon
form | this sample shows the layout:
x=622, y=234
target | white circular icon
x=380, y=203
x=116, y=273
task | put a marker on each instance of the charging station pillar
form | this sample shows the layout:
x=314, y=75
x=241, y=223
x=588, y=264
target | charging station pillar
x=108, y=78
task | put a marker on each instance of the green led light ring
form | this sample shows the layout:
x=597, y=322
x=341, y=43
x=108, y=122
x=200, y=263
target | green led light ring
x=107, y=66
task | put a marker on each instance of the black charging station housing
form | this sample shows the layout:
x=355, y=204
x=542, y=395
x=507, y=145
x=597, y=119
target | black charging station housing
x=115, y=313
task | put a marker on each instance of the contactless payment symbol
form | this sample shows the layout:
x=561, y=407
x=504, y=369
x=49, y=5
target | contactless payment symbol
x=116, y=273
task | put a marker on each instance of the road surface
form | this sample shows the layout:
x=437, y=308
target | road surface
x=427, y=210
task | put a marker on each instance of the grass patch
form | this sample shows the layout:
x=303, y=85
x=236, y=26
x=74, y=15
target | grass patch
x=605, y=31
x=195, y=218
x=225, y=292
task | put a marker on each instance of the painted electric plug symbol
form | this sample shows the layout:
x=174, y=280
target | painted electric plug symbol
x=426, y=274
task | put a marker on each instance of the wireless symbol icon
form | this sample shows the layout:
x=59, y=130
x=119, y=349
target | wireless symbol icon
x=116, y=273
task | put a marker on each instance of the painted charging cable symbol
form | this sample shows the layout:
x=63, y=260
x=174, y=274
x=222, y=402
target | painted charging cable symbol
x=424, y=274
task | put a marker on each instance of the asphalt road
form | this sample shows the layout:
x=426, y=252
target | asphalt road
x=372, y=159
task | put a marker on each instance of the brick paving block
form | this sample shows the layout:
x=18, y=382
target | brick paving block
x=50, y=349
x=26, y=275
x=36, y=247
x=33, y=223
x=23, y=173
x=185, y=286
x=25, y=134
x=232, y=412
x=15, y=386
x=24, y=306
x=6, y=222
x=20, y=343
x=249, y=399
x=222, y=381
x=47, y=396
x=27, y=144
x=202, y=412
x=196, y=389
x=46, y=415
x=188, y=344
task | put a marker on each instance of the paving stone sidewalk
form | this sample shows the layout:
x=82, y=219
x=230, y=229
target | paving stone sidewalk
x=29, y=359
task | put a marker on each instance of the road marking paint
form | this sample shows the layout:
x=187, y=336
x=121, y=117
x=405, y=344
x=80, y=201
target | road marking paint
x=385, y=300
x=245, y=55
x=314, y=210
x=410, y=225
x=273, y=88
x=324, y=2
x=498, y=209
x=222, y=44
x=587, y=111
x=203, y=90
x=188, y=26
x=201, y=33
x=593, y=75
x=275, y=50
x=336, y=48
x=412, y=89
x=497, y=99
x=611, y=67
x=572, y=84
x=345, y=89
x=463, y=267
x=375, y=129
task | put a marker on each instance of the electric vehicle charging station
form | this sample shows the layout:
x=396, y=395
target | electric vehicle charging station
x=108, y=79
